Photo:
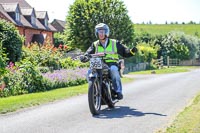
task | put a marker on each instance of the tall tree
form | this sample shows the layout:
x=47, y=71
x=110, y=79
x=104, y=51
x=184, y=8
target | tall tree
x=84, y=15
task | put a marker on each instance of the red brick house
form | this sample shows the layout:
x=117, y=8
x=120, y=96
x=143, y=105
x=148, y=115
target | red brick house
x=59, y=25
x=33, y=25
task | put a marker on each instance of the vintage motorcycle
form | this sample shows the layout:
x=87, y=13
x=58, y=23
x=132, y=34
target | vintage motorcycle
x=100, y=89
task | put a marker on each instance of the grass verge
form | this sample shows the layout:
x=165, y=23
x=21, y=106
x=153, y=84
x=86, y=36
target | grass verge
x=188, y=121
x=174, y=69
x=14, y=103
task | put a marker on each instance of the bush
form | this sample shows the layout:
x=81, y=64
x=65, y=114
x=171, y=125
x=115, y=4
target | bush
x=69, y=63
x=148, y=51
x=23, y=78
x=175, y=47
x=45, y=55
x=58, y=39
x=11, y=40
x=3, y=59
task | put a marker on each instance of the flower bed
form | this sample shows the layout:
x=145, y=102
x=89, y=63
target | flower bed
x=66, y=77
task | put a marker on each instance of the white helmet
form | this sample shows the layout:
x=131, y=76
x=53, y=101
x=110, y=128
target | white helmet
x=102, y=26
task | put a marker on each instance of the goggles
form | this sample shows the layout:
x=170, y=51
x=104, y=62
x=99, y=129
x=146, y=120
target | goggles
x=101, y=31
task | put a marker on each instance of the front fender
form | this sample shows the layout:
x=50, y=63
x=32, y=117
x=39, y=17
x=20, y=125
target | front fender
x=92, y=75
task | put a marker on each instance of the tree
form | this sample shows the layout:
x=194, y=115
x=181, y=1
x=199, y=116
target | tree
x=84, y=15
x=11, y=40
x=191, y=22
x=192, y=42
x=181, y=46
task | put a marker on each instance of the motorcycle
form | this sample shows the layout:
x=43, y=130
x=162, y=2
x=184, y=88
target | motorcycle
x=100, y=89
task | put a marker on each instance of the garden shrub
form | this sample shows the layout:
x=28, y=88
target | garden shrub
x=11, y=40
x=24, y=78
x=46, y=55
x=69, y=63
x=3, y=59
x=66, y=77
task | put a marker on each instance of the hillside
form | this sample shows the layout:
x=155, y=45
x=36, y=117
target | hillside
x=191, y=29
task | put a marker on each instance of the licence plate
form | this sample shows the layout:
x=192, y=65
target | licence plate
x=96, y=63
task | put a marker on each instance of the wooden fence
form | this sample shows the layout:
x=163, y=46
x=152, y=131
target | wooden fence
x=178, y=62
x=131, y=67
x=159, y=62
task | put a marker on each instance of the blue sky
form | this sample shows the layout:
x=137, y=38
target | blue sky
x=156, y=11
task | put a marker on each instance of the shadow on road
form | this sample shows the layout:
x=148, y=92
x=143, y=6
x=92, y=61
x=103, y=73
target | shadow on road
x=123, y=111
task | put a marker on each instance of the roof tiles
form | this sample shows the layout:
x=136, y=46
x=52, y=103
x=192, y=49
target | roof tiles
x=25, y=9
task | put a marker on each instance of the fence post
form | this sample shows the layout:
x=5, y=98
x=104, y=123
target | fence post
x=168, y=61
x=161, y=62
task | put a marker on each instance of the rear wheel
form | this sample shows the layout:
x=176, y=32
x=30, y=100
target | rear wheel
x=111, y=104
x=121, y=73
x=94, y=96
x=111, y=97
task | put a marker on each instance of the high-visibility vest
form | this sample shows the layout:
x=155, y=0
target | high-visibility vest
x=110, y=50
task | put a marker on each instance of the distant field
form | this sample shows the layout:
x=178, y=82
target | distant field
x=191, y=29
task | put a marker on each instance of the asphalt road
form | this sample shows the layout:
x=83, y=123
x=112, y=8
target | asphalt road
x=150, y=103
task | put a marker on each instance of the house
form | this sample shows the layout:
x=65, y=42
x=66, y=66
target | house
x=32, y=24
x=59, y=25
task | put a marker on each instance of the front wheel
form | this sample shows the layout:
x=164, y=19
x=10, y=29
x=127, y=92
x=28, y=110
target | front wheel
x=94, y=96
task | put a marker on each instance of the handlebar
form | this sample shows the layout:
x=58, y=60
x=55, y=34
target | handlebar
x=102, y=55
x=96, y=55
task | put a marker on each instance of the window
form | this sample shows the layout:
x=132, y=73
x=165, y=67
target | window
x=33, y=21
x=17, y=16
x=46, y=22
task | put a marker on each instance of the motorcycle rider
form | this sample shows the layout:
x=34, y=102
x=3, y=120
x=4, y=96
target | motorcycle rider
x=112, y=48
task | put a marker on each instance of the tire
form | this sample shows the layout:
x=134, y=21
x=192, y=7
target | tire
x=110, y=100
x=121, y=73
x=94, y=96
x=111, y=105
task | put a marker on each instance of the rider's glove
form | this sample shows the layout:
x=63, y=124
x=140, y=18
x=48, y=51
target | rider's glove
x=83, y=58
x=134, y=49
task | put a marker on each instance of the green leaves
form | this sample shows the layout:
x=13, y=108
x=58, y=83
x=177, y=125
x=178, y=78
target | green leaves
x=3, y=59
x=11, y=40
x=181, y=46
x=84, y=15
x=174, y=44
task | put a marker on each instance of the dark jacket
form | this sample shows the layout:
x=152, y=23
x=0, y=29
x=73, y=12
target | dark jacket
x=121, y=49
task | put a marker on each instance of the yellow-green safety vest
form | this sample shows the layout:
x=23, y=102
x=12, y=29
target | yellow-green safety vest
x=110, y=50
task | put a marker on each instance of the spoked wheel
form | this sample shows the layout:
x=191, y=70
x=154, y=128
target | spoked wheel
x=111, y=99
x=94, y=97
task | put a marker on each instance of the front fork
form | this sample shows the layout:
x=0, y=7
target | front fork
x=96, y=75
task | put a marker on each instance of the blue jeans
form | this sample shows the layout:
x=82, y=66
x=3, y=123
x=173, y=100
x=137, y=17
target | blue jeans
x=116, y=80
